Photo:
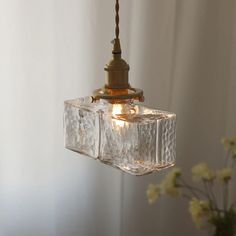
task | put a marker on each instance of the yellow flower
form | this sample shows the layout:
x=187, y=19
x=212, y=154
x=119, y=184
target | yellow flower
x=225, y=174
x=202, y=172
x=169, y=185
x=200, y=211
x=229, y=144
x=153, y=192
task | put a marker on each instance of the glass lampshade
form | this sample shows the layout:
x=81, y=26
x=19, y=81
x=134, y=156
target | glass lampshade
x=125, y=135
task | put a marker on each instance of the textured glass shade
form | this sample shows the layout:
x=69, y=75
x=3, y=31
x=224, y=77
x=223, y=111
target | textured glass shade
x=133, y=138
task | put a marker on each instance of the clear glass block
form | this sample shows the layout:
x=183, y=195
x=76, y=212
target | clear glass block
x=128, y=136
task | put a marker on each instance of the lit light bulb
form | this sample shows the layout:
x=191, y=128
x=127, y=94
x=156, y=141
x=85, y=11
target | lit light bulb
x=116, y=112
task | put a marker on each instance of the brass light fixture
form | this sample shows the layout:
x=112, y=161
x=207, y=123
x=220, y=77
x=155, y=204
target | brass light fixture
x=114, y=128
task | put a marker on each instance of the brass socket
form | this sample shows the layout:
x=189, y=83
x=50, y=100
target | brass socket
x=117, y=73
x=117, y=85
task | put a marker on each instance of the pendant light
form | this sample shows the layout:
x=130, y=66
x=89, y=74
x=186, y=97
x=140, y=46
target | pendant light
x=112, y=125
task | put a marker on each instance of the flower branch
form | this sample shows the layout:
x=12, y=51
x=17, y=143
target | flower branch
x=203, y=204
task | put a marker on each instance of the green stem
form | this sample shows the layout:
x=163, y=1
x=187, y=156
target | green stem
x=212, y=204
x=212, y=193
x=211, y=196
x=227, y=159
x=193, y=190
x=232, y=205
x=225, y=196
x=186, y=196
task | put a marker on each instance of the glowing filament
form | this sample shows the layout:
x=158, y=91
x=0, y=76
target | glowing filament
x=117, y=110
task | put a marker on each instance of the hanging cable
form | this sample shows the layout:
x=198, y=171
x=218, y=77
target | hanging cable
x=116, y=41
x=117, y=19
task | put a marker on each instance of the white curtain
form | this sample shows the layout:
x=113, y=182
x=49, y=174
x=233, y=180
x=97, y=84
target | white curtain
x=181, y=52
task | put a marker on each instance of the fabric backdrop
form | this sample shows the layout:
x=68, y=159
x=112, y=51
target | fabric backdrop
x=181, y=52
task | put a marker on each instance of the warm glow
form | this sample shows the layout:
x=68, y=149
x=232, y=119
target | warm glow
x=117, y=110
